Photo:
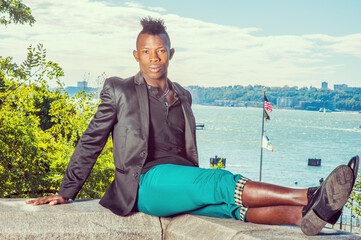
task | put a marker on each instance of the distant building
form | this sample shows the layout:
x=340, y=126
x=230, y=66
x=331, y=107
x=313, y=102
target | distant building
x=345, y=88
x=353, y=89
x=315, y=105
x=340, y=87
x=311, y=105
x=82, y=84
x=285, y=102
x=227, y=103
x=324, y=85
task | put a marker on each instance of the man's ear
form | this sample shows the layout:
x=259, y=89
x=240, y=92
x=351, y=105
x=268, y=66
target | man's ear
x=135, y=54
x=171, y=53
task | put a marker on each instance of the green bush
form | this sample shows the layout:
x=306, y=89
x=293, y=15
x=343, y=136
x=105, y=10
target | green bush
x=39, y=129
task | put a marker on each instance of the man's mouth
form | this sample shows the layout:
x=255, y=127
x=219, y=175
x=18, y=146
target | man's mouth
x=154, y=68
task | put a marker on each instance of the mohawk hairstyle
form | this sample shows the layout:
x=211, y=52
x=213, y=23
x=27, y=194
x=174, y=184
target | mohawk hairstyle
x=153, y=27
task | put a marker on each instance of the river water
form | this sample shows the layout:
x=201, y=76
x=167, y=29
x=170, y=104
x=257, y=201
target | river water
x=234, y=133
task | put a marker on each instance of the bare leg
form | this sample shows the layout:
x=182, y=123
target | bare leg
x=256, y=194
x=277, y=215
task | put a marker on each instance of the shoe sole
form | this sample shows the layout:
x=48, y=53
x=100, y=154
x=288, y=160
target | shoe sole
x=355, y=167
x=337, y=188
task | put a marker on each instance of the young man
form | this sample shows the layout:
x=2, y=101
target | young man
x=156, y=160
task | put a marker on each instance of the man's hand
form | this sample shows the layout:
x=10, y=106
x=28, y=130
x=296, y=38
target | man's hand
x=52, y=200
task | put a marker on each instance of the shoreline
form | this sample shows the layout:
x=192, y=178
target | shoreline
x=278, y=108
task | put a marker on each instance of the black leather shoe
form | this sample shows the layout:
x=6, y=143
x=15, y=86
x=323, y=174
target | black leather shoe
x=327, y=200
x=354, y=165
x=310, y=194
x=311, y=191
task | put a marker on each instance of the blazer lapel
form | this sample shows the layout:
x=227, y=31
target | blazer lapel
x=190, y=125
x=142, y=95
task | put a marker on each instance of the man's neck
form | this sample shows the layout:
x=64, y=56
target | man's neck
x=159, y=83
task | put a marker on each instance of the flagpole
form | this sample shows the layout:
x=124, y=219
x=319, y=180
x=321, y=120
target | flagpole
x=260, y=165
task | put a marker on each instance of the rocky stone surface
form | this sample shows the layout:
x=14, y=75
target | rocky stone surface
x=86, y=219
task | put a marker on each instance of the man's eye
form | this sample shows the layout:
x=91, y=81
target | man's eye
x=145, y=51
x=162, y=51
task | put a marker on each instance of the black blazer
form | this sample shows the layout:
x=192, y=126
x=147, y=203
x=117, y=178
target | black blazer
x=124, y=111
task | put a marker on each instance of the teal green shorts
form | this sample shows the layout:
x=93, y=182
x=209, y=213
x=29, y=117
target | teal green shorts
x=169, y=189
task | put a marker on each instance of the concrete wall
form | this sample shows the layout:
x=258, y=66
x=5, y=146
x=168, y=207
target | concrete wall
x=86, y=219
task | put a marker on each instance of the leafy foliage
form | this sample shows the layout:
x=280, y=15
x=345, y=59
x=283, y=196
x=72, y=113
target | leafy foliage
x=39, y=129
x=355, y=199
x=17, y=11
x=218, y=165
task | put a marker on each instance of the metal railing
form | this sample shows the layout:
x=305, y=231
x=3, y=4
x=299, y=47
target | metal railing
x=349, y=220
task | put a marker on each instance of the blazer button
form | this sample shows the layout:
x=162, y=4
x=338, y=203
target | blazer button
x=135, y=174
x=142, y=154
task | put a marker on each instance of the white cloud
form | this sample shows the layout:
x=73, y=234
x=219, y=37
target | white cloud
x=134, y=4
x=157, y=9
x=349, y=44
x=92, y=37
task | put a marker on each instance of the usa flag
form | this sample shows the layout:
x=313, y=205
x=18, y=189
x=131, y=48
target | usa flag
x=267, y=105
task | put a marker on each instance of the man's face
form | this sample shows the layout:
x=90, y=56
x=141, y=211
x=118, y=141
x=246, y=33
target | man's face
x=153, y=55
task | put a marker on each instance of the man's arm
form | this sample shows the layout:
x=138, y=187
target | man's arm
x=87, y=150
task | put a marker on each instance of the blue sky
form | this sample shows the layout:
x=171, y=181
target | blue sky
x=217, y=43
x=274, y=17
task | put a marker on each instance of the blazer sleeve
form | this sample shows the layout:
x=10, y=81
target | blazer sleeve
x=189, y=96
x=183, y=91
x=90, y=144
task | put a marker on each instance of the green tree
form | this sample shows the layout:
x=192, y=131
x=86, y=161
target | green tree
x=34, y=154
x=15, y=12
x=24, y=156
x=40, y=127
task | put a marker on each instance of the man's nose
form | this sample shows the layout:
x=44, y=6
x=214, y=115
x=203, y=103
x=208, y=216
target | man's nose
x=154, y=57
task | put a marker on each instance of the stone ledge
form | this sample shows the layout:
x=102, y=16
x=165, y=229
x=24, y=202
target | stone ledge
x=86, y=219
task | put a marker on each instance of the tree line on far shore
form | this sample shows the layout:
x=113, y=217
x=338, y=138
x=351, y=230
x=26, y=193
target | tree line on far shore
x=348, y=100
